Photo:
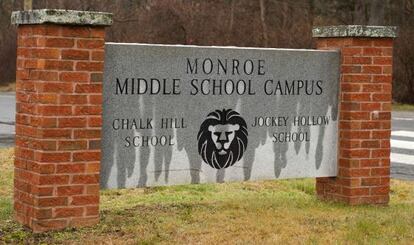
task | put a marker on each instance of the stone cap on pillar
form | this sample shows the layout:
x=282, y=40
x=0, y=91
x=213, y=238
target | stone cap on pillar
x=61, y=17
x=355, y=31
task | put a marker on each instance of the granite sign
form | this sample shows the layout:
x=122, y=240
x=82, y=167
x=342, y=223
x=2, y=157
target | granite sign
x=187, y=114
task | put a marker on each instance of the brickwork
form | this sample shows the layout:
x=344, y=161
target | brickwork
x=364, y=122
x=59, y=119
x=58, y=125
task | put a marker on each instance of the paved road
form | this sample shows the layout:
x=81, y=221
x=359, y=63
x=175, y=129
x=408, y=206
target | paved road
x=7, y=112
x=402, y=136
x=402, y=145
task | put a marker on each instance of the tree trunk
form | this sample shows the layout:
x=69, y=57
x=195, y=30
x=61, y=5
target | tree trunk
x=360, y=13
x=28, y=4
x=263, y=21
x=376, y=13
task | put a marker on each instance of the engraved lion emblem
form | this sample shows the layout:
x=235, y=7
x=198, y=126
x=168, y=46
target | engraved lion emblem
x=222, y=138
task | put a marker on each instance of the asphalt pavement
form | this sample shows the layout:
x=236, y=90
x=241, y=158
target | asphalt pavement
x=402, y=136
x=402, y=145
x=7, y=119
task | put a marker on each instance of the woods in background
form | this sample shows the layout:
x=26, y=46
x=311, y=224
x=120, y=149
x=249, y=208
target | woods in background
x=259, y=23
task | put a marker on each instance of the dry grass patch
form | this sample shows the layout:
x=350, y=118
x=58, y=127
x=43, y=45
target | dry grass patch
x=265, y=212
x=8, y=87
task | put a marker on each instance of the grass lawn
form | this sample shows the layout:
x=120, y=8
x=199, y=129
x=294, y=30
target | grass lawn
x=265, y=212
x=402, y=107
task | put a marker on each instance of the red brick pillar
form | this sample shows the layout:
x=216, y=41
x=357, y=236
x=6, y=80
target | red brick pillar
x=60, y=58
x=364, y=113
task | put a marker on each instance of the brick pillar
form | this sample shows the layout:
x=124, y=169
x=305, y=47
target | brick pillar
x=365, y=113
x=60, y=58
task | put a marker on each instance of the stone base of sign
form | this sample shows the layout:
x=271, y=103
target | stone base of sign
x=365, y=113
x=58, y=118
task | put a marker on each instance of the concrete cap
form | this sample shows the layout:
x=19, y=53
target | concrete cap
x=61, y=16
x=355, y=31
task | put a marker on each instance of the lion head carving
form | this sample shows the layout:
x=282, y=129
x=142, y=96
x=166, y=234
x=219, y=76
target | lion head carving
x=222, y=138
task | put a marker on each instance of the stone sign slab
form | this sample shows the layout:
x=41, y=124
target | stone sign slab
x=188, y=114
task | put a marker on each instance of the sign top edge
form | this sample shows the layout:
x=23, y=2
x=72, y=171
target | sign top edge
x=218, y=47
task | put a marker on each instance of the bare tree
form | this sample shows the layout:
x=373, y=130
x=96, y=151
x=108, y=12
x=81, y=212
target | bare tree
x=28, y=4
x=263, y=21
x=376, y=12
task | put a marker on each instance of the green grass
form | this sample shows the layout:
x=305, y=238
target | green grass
x=265, y=212
x=6, y=183
x=402, y=107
